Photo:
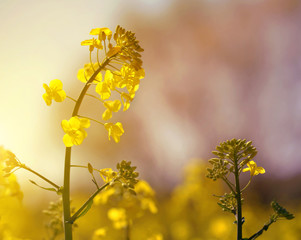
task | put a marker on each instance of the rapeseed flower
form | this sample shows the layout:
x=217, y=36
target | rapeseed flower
x=114, y=130
x=54, y=91
x=118, y=217
x=74, y=129
x=85, y=73
x=111, y=106
x=126, y=99
x=254, y=170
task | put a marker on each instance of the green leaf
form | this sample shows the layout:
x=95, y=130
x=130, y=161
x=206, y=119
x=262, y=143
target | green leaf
x=48, y=189
x=86, y=209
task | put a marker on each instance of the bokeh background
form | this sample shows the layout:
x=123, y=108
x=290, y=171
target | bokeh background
x=215, y=70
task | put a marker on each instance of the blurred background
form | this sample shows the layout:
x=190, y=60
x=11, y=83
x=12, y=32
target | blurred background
x=215, y=70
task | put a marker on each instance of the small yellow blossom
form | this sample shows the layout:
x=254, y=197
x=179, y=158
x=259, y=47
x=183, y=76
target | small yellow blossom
x=104, y=88
x=126, y=100
x=157, y=236
x=74, y=129
x=103, y=196
x=107, y=174
x=118, y=217
x=102, y=33
x=111, y=106
x=92, y=43
x=54, y=91
x=115, y=131
x=85, y=73
x=254, y=170
x=132, y=77
x=99, y=233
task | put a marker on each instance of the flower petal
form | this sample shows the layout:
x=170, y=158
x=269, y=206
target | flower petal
x=67, y=140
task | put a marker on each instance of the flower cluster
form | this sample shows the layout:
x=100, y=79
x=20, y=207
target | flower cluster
x=232, y=156
x=117, y=75
x=9, y=160
x=281, y=212
x=9, y=164
x=125, y=206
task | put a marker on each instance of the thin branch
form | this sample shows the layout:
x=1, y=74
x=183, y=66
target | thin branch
x=92, y=119
x=39, y=175
x=71, y=98
x=78, y=212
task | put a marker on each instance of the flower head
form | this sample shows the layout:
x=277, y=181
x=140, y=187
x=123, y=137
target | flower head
x=115, y=130
x=54, y=91
x=74, y=129
x=254, y=170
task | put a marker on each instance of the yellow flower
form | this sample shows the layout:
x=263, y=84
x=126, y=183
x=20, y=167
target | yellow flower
x=104, y=88
x=92, y=43
x=115, y=131
x=118, y=217
x=126, y=100
x=107, y=174
x=74, y=129
x=157, y=236
x=254, y=170
x=112, y=106
x=99, y=233
x=102, y=33
x=85, y=73
x=132, y=77
x=54, y=91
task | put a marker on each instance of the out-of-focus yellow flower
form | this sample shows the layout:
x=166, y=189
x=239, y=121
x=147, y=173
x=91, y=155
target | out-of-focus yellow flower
x=220, y=228
x=74, y=129
x=143, y=188
x=114, y=130
x=103, y=196
x=99, y=233
x=111, y=106
x=157, y=236
x=254, y=170
x=85, y=73
x=118, y=217
x=54, y=91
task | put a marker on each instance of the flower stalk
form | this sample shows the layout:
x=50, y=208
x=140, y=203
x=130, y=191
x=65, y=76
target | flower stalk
x=66, y=188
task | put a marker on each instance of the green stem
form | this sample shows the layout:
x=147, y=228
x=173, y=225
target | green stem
x=78, y=212
x=66, y=195
x=71, y=98
x=92, y=119
x=238, y=200
x=80, y=166
x=66, y=188
x=264, y=228
x=127, y=231
x=229, y=184
x=99, y=99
